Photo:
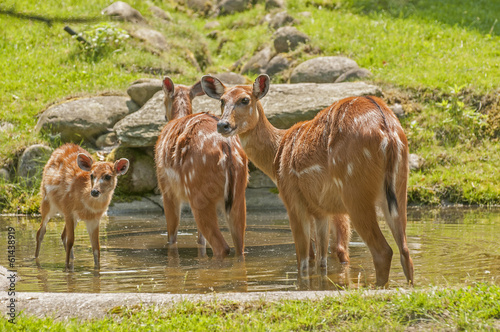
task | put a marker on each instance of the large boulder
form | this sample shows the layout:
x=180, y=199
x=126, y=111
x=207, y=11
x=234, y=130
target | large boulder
x=203, y=6
x=123, y=11
x=142, y=90
x=322, y=70
x=151, y=37
x=232, y=6
x=85, y=118
x=354, y=74
x=271, y=4
x=281, y=19
x=288, y=38
x=285, y=105
x=231, y=78
x=141, y=175
x=277, y=64
x=160, y=13
x=258, y=63
x=142, y=127
x=32, y=161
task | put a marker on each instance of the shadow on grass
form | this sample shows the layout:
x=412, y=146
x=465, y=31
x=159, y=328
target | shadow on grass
x=479, y=15
x=48, y=20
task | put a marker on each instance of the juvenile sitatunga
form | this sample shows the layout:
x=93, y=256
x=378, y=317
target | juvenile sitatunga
x=80, y=189
x=196, y=164
x=348, y=160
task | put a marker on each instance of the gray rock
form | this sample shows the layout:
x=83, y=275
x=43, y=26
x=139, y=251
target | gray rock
x=150, y=36
x=398, y=110
x=354, y=74
x=415, y=162
x=288, y=38
x=277, y=64
x=285, y=105
x=280, y=20
x=203, y=6
x=141, y=175
x=231, y=78
x=259, y=180
x=257, y=63
x=211, y=25
x=270, y=4
x=322, y=69
x=6, y=126
x=107, y=140
x=32, y=161
x=305, y=14
x=142, y=127
x=232, y=6
x=85, y=118
x=123, y=11
x=259, y=199
x=160, y=13
x=4, y=175
x=143, y=206
x=142, y=90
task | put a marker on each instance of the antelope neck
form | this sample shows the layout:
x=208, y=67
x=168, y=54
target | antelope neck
x=181, y=105
x=261, y=143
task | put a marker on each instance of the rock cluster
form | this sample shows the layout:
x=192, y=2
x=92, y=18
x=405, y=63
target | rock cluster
x=138, y=128
x=128, y=125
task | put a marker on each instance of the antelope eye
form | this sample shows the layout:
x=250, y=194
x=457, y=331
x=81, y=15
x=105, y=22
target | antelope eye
x=107, y=177
x=245, y=101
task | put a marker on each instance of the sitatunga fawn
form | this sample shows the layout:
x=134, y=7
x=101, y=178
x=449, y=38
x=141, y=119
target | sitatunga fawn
x=196, y=164
x=348, y=160
x=80, y=189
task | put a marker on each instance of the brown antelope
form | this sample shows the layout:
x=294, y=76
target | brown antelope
x=348, y=160
x=197, y=165
x=80, y=189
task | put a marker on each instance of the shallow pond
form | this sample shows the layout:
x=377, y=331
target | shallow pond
x=450, y=246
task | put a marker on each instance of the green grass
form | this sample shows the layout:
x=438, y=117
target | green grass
x=419, y=52
x=471, y=308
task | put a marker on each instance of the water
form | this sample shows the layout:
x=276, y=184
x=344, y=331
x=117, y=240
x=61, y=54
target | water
x=449, y=247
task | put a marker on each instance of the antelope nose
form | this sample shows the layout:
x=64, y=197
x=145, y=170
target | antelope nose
x=94, y=193
x=223, y=127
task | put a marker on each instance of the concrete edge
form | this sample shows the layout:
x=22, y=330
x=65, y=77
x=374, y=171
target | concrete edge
x=87, y=306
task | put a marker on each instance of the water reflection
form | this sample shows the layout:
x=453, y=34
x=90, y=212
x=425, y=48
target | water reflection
x=449, y=247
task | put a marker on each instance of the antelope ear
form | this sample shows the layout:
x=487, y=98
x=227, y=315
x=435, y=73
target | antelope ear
x=121, y=166
x=261, y=86
x=212, y=87
x=196, y=90
x=84, y=162
x=168, y=86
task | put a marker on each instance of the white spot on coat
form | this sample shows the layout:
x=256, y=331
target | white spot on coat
x=350, y=168
x=367, y=153
x=311, y=169
x=383, y=144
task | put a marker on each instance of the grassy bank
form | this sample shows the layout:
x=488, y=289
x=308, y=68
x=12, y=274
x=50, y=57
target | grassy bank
x=472, y=308
x=438, y=59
